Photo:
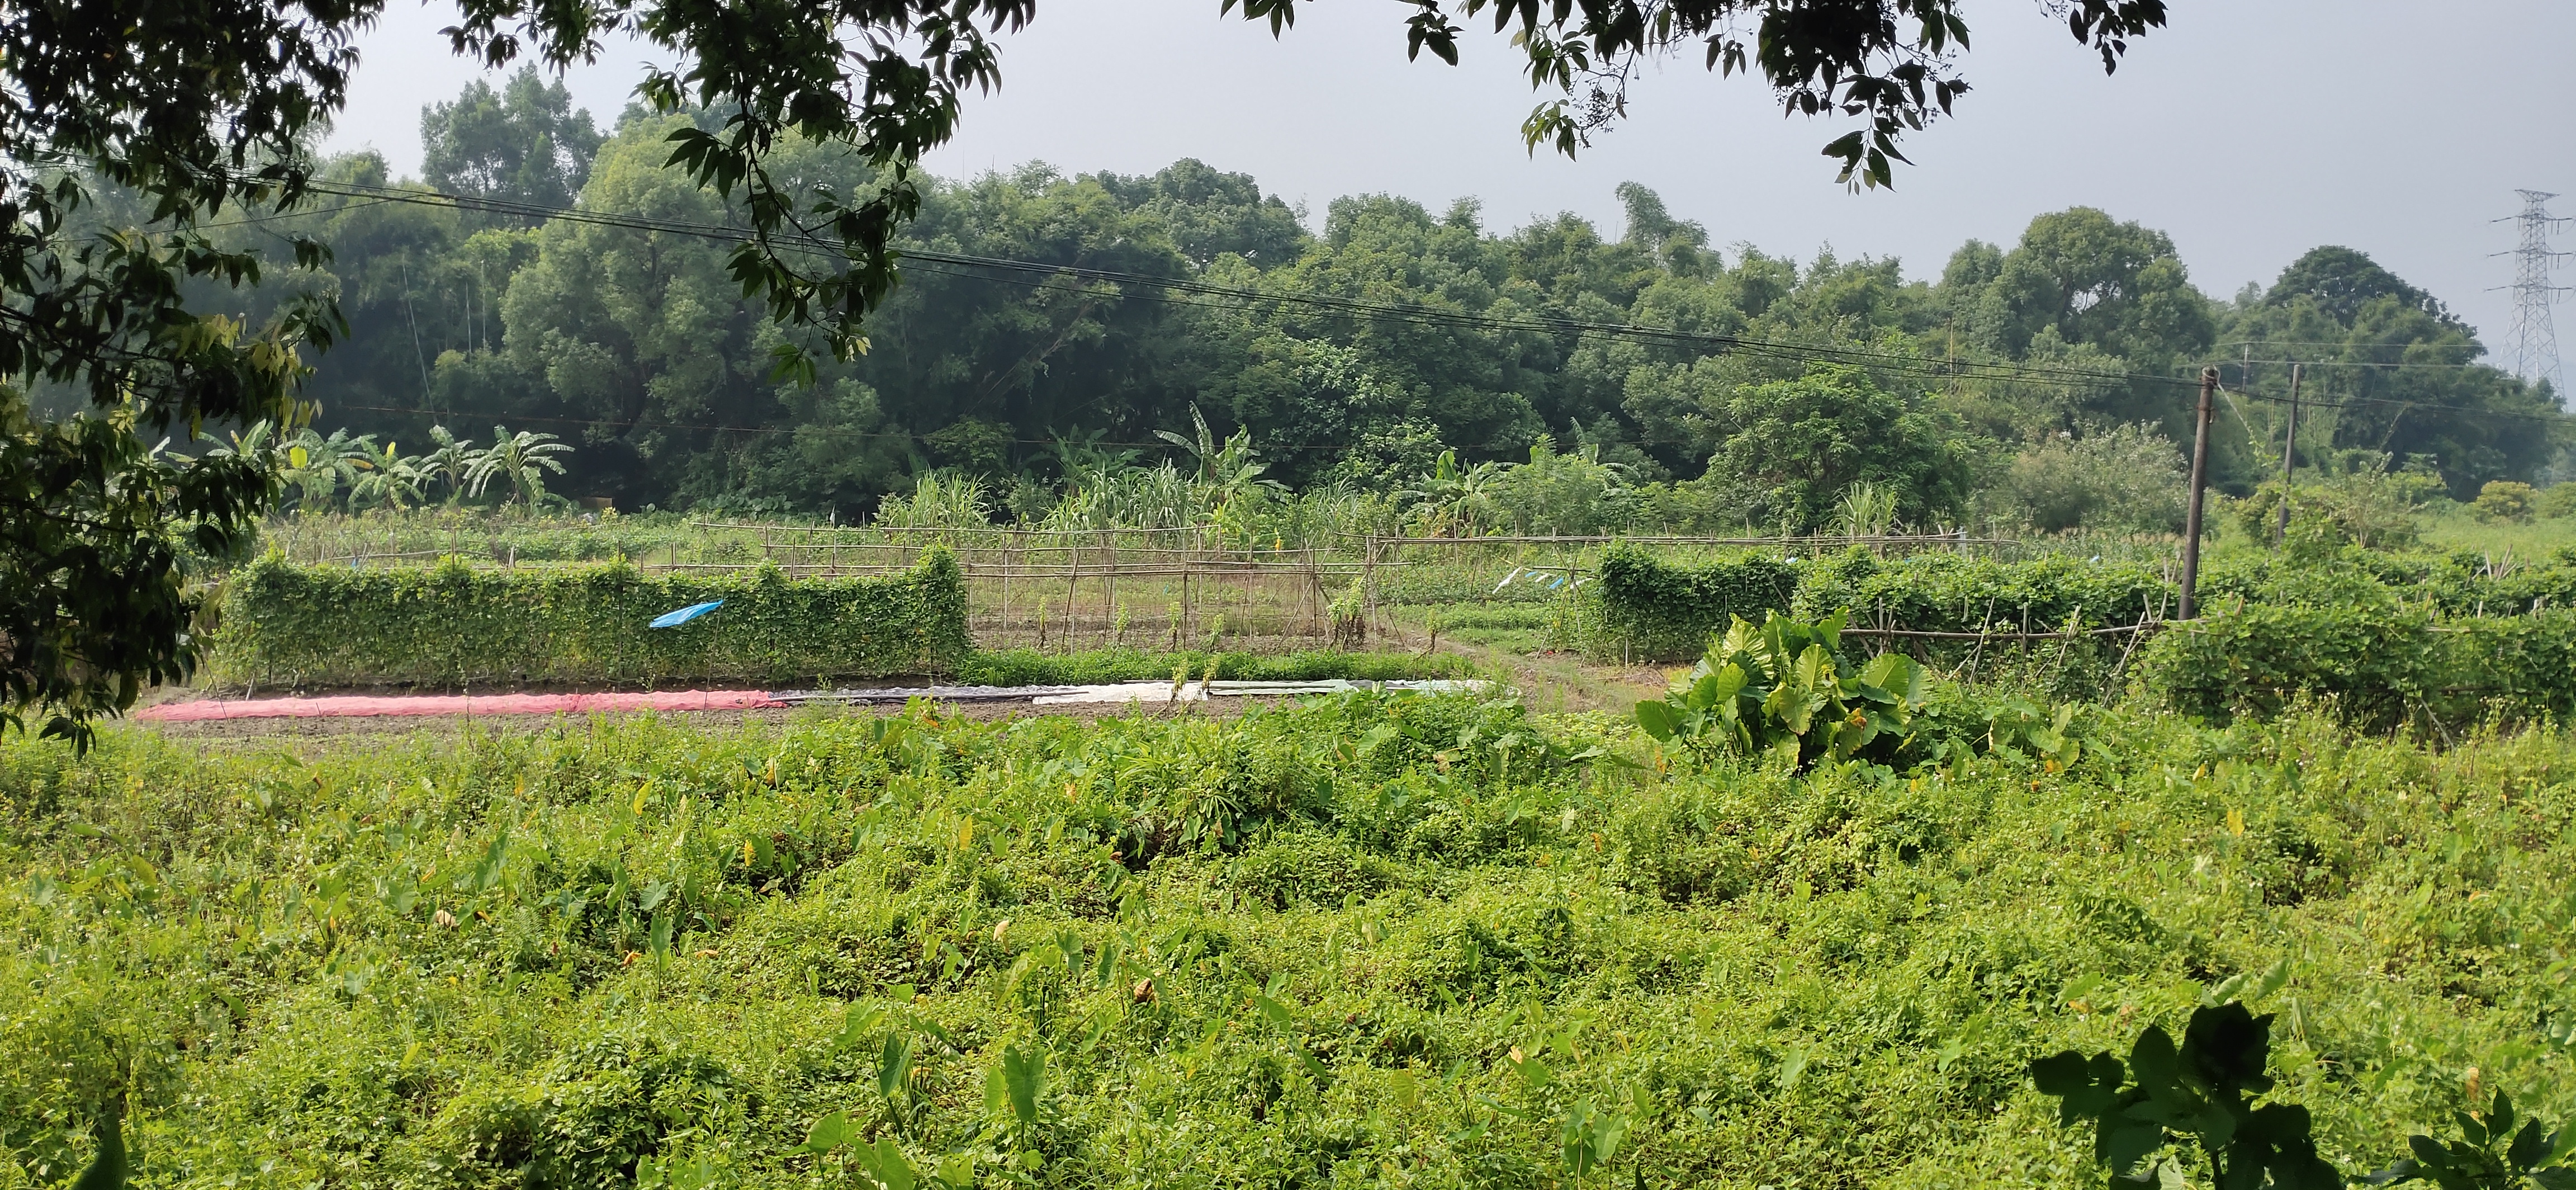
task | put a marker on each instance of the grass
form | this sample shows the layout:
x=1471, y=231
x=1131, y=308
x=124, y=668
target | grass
x=2453, y=527
x=1028, y=667
x=1512, y=628
x=1364, y=940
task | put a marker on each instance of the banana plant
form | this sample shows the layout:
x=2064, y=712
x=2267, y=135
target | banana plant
x=1226, y=469
x=319, y=468
x=450, y=463
x=1448, y=499
x=389, y=479
x=1776, y=691
x=520, y=460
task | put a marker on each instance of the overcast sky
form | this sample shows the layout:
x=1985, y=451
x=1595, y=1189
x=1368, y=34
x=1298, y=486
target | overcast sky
x=2251, y=130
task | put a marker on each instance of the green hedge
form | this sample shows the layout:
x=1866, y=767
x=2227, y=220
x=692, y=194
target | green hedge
x=2382, y=666
x=287, y=625
x=1649, y=609
x=1951, y=593
x=1641, y=608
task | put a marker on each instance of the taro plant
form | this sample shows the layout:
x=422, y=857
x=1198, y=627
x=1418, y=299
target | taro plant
x=2491, y=1154
x=2200, y=1092
x=2204, y=1092
x=1777, y=691
x=2017, y=727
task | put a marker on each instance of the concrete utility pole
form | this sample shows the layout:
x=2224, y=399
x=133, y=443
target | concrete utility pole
x=2289, y=439
x=2533, y=341
x=2199, y=478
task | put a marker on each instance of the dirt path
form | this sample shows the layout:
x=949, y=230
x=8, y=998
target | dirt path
x=1552, y=682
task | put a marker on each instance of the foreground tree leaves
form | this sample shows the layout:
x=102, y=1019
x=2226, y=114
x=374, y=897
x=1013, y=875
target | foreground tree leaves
x=1891, y=62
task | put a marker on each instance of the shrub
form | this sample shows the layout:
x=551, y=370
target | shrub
x=2382, y=666
x=1797, y=445
x=1957, y=593
x=2370, y=509
x=2556, y=501
x=647, y=951
x=292, y=625
x=1648, y=609
x=1774, y=692
x=2129, y=480
x=2505, y=500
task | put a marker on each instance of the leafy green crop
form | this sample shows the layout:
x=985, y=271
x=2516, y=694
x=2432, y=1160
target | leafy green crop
x=1775, y=692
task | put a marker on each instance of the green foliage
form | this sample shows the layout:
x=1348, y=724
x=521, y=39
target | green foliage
x=2490, y=1155
x=454, y=625
x=95, y=533
x=131, y=135
x=1653, y=610
x=1797, y=445
x=2505, y=500
x=2380, y=666
x=2403, y=380
x=2127, y=480
x=2368, y=508
x=1943, y=592
x=2202, y=1091
x=1437, y=933
x=525, y=143
x=1774, y=692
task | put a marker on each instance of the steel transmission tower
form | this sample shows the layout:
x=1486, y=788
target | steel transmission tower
x=2534, y=338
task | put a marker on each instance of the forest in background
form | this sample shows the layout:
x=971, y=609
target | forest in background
x=2041, y=385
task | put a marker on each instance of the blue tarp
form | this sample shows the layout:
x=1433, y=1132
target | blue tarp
x=686, y=614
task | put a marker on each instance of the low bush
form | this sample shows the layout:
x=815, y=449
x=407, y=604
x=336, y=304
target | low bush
x=1647, y=609
x=286, y=625
x=1653, y=610
x=2505, y=500
x=1642, y=608
x=2381, y=666
x=1958, y=593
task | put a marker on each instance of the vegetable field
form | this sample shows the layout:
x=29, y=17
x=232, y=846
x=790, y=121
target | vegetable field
x=1361, y=941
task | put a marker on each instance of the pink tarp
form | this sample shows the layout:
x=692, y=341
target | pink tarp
x=359, y=705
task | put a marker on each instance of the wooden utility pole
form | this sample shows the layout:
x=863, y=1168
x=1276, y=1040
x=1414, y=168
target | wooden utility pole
x=2190, y=608
x=2289, y=439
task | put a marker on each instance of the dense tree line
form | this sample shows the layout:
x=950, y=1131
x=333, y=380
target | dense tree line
x=1355, y=356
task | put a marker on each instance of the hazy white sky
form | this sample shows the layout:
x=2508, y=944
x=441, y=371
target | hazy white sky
x=2251, y=130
